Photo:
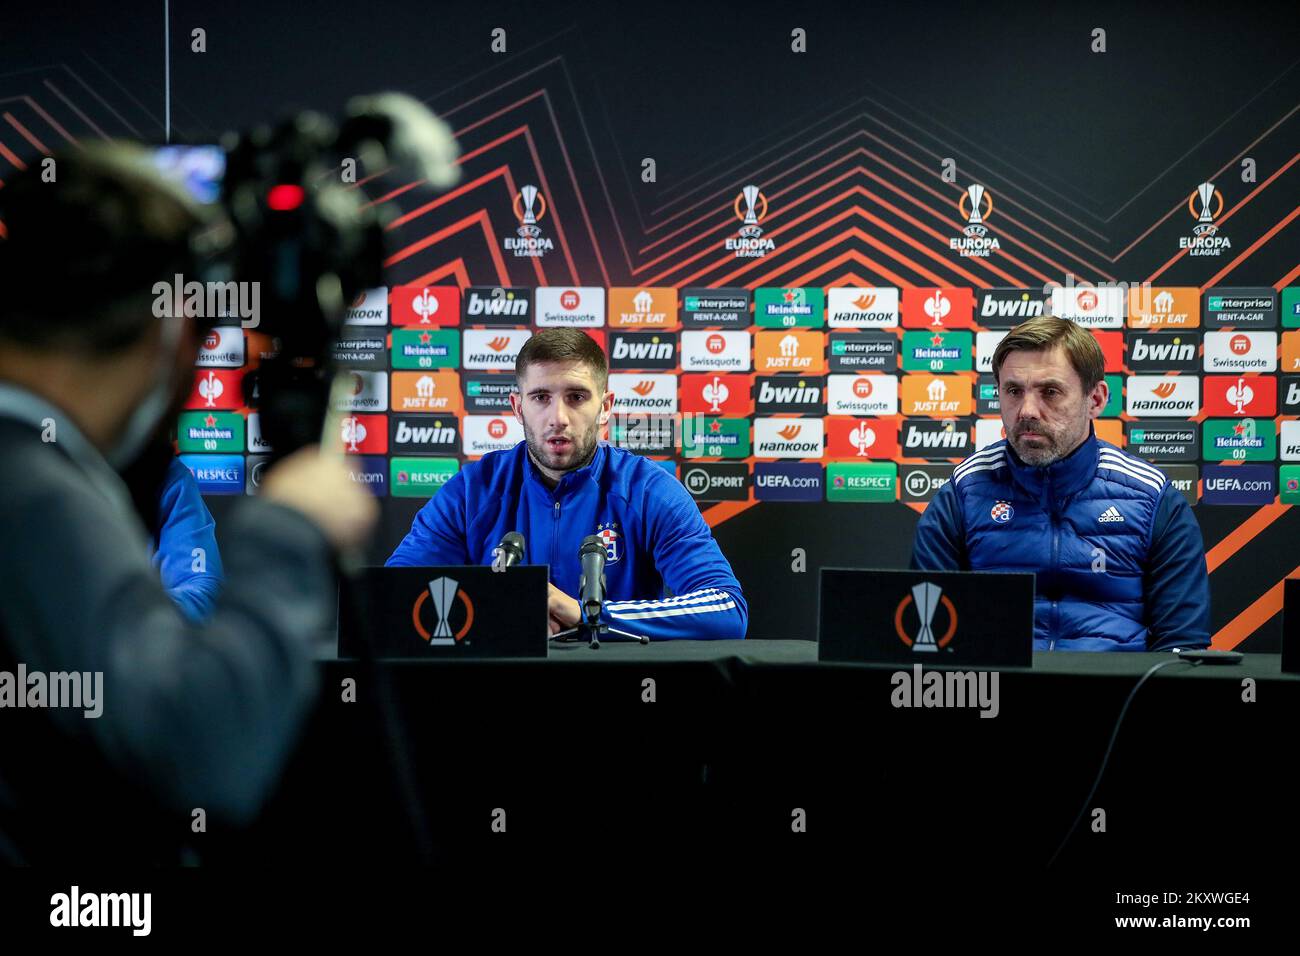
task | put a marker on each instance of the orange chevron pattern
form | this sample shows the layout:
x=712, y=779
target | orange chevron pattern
x=855, y=200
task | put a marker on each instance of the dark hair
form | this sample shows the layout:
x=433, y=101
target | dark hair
x=564, y=345
x=84, y=249
x=1045, y=332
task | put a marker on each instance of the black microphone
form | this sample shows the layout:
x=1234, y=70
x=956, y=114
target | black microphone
x=591, y=587
x=509, y=552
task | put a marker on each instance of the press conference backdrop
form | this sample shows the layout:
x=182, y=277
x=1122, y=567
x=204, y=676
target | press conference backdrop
x=800, y=311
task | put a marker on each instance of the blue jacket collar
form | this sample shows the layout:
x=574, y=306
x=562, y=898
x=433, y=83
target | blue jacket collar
x=571, y=482
x=1061, y=479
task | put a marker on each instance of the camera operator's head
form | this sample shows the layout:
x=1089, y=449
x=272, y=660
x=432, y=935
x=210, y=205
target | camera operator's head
x=78, y=265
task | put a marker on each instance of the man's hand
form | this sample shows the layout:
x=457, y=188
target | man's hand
x=319, y=487
x=563, y=610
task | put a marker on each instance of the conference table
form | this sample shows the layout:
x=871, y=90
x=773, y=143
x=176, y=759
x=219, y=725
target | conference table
x=755, y=750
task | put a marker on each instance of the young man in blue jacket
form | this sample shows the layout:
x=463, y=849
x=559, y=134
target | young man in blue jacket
x=1119, y=558
x=561, y=484
x=185, y=526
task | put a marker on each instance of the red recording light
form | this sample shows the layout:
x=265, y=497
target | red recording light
x=282, y=198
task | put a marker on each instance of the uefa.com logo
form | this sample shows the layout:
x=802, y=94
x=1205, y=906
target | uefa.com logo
x=529, y=208
x=208, y=300
x=750, y=207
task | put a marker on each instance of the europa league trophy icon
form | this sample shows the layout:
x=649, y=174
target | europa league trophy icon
x=749, y=228
x=751, y=199
x=974, y=220
x=528, y=224
x=442, y=591
x=1205, y=222
x=926, y=596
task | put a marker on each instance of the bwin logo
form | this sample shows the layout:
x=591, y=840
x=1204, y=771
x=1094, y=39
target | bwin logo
x=421, y=435
x=788, y=395
x=653, y=350
x=1175, y=351
x=499, y=302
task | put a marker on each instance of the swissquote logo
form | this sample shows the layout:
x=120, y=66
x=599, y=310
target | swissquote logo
x=750, y=208
x=862, y=395
x=488, y=433
x=975, y=206
x=530, y=209
x=1205, y=206
x=221, y=348
x=443, y=613
x=1094, y=307
x=718, y=351
x=918, y=630
x=580, y=306
x=1240, y=352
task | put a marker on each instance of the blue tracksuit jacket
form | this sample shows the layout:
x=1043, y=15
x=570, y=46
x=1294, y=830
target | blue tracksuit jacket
x=654, y=537
x=1119, y=558
x=185, y=524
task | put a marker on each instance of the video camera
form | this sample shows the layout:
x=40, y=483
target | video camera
x=289, y=219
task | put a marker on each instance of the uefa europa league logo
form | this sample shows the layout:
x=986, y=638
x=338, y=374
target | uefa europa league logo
x=754, y=213
x=1205, y=221
x=926, y=596
x=442, y=591
x=974, y=197
x=530, y=206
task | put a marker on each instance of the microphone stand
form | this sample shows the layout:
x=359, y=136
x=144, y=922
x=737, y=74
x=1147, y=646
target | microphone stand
x=593, y=628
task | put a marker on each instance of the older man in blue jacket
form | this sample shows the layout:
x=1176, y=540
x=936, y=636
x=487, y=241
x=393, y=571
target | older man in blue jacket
x=561, y=484
x=1119, y=558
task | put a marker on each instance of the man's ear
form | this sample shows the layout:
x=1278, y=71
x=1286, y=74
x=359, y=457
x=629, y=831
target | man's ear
x=1097, y=398
x=606, y=407
x=517, y=406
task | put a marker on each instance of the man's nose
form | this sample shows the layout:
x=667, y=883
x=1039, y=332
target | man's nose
x=559, y=416
x=1029, y=407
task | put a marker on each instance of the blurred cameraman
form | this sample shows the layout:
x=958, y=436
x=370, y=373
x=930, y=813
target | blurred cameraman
x=194, y=716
